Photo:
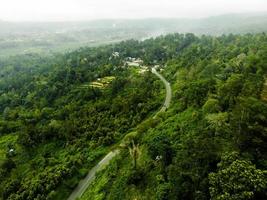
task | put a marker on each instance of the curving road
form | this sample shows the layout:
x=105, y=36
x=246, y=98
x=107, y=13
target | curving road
x=168, y=97
x=83, y=184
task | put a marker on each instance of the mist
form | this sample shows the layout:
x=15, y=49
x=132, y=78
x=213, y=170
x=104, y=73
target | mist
x=80, y=10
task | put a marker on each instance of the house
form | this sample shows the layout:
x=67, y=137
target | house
x=134, y=62
x=116, y=54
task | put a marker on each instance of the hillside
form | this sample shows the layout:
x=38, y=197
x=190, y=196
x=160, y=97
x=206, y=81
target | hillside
x=211, y=142
x=61, y=114
x=56, y=122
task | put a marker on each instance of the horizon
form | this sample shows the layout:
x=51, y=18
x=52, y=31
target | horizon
x=259, y=13
x=81, y=10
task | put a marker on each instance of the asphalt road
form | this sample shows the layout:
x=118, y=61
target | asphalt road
x=82, y=186
x=168, y=96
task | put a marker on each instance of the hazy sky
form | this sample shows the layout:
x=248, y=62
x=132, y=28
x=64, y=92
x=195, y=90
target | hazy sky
x=58, y=10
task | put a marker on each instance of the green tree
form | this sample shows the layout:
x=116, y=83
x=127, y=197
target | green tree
x=237, y=179
x=135, y=153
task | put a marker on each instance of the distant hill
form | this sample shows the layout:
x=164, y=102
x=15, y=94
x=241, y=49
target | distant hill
x=44, y=37
x=250, y=22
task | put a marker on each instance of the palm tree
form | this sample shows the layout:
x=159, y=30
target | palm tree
x=135, y=153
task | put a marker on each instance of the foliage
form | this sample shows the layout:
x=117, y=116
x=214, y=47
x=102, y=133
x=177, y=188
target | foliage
x=61, y=128
x=237, y=179
x=216, y=108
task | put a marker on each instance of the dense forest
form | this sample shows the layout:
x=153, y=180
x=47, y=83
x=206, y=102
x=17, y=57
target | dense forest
x=211, y=143
x=55, y=124
x=60, y=114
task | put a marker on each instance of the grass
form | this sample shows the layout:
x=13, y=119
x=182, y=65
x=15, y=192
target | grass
x=100, y=83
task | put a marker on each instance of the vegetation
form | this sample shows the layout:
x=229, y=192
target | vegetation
x=56, y=121
x=53, y=129
x=211, y=143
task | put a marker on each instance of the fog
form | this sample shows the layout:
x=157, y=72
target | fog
x=75, y=10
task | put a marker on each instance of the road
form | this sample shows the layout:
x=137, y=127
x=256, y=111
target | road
x=83, y=184
x=168, y=96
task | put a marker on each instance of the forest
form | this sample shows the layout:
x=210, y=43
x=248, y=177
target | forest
x=60, y=114
x=211, y=143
